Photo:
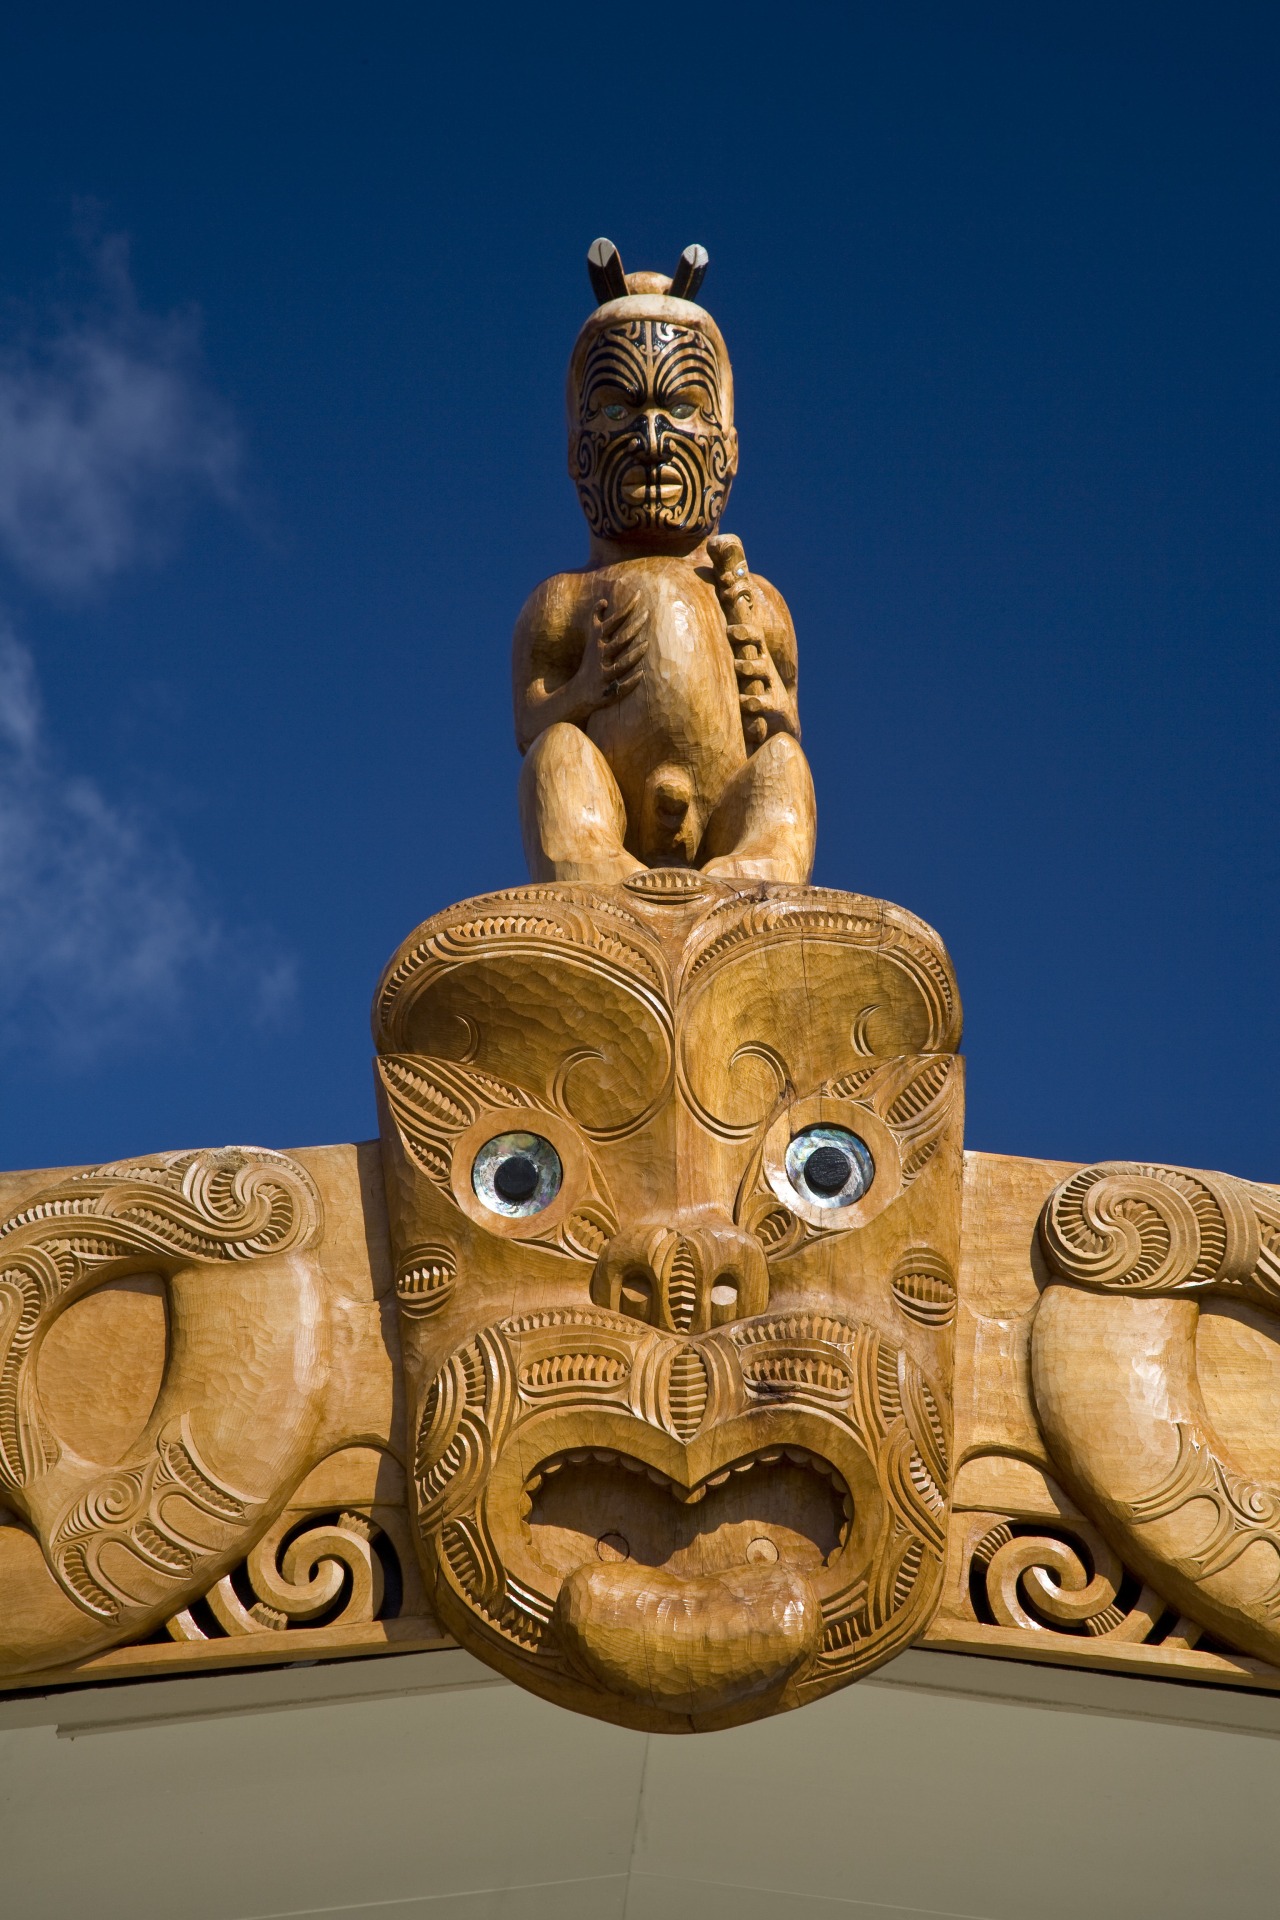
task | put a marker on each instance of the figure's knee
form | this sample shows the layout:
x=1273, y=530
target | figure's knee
x=572, y=816
x=766, y=827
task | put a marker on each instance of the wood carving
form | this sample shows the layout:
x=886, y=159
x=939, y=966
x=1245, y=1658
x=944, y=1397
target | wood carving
x=668, y=1352
x=682, y=1165
x=655, y=688
x=1134, y=1251
x=184, y=1381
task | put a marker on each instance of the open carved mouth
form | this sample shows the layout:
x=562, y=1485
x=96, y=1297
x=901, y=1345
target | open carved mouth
x=696, y=1596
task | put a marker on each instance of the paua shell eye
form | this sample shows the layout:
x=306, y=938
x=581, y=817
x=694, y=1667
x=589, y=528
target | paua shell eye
x=829, y=1166
x=516, y=1174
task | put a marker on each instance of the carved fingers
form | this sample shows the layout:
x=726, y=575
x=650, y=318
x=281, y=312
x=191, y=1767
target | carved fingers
x=616, y=662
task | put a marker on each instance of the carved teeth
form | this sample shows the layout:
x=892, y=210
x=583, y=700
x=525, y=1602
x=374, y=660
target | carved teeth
x=767, y=1457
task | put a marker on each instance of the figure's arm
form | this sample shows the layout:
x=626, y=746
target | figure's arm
x=565, y=666
x=780, y=643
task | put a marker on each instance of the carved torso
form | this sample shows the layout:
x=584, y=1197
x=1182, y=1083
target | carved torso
x=679, y=733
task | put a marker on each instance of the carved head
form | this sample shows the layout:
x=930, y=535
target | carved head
x=674, y=1181
x=652, y=447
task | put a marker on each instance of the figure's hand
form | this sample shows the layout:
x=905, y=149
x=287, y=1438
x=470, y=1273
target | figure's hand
x=613, y=658
x=766, y=705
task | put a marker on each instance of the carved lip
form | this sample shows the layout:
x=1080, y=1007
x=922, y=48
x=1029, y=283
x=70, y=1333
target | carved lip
x=640, y=484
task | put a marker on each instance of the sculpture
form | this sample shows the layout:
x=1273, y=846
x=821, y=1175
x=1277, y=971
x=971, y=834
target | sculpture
x=674, y=1183
x=655, y=687
x=667, y=1352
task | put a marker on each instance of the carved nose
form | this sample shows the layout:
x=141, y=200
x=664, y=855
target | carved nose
x=684, y=1275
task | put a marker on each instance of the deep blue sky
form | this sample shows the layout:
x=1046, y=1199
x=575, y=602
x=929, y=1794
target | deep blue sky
x=1000, y=285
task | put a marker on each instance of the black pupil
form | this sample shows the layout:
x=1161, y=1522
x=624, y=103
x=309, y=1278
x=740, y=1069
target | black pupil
x=827, y=1169
x=516, y=1178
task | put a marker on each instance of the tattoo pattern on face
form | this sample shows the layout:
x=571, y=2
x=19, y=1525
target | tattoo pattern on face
x=653, y=449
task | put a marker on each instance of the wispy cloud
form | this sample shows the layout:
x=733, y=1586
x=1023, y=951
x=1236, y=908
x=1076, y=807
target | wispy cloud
x=107, y=424
x=107, y=420
x=103, y=922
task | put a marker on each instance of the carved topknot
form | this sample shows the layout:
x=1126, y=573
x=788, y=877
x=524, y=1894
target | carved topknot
x=609, y=282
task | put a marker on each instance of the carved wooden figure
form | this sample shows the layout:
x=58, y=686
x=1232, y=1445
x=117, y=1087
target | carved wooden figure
x=674, y=1180
x=668, y=1352
x=655, y=688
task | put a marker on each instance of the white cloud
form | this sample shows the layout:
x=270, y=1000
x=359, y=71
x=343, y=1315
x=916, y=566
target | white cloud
x=107, y=423
x=103, y=924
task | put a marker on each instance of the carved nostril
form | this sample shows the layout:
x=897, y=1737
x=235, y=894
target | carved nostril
x=635, y=1296
x=724, y=1300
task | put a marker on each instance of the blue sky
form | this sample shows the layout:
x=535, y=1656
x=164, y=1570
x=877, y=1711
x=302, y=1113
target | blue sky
x=286, y=296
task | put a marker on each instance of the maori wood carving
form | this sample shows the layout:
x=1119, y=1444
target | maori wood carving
x=680, y=1164
x=667, y=1351
x=655, y=687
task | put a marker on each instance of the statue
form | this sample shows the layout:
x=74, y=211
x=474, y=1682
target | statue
x=675, y=1169
x=666, y=1351
x=655, y=688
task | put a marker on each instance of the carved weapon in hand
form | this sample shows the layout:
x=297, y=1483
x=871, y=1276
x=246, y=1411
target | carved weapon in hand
x=746, y=632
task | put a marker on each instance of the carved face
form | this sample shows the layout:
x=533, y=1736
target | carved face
x=674, y=1184
x=653, y=451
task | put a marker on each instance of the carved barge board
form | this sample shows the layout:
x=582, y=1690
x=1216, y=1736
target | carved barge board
x=334, y=1573
x=1010, y=1517
x=1029, y=1576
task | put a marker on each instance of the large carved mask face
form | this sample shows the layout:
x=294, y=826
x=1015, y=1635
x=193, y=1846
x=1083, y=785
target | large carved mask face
x=652, y=449
x=674, y=1179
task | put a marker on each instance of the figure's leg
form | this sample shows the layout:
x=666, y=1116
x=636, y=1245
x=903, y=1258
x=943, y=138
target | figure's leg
x=571, y=812
x=765, y=825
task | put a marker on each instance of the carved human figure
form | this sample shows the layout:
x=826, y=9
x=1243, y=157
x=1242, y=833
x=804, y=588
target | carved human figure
x=655, y=687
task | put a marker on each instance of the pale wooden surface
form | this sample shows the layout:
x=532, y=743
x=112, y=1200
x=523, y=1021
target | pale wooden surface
x=655, y=688
x=681, y=1436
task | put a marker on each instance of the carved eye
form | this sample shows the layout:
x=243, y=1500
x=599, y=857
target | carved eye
x=613, y=411
x=829, y=1166
x=516, y=1174
x=682, y=410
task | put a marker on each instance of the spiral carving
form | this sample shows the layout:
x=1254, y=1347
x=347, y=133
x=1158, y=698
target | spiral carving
x=1143, y=1229
x=1067, y=1581
x=172, y=1209
x=332, y=1566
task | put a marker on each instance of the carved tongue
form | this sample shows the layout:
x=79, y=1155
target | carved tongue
x=694, y=1645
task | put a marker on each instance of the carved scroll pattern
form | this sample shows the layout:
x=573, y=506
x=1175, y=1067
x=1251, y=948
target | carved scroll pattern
x=1161, y=1236
x=916, y=1099
x=905, y=943
x=1062, y=1578
x=339, y=1568
x=524, y=923
x=236, y=1204
x=434, y=1104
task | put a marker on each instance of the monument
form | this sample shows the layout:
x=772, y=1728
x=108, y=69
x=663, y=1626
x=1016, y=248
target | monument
x=667, y=1351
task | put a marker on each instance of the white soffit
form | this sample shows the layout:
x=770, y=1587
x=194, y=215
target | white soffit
x=422, y=1787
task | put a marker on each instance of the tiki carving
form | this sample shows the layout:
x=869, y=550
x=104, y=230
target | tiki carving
x=655, y=687
x=674, y=1185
